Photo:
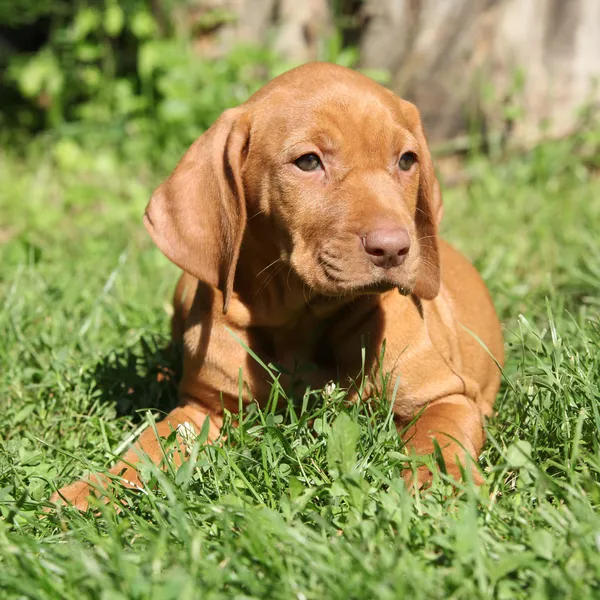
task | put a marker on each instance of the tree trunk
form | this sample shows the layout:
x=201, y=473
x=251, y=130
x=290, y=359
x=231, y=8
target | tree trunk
x=296, y=30
x=519, y=68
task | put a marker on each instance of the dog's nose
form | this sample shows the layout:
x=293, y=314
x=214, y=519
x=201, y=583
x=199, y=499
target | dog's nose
x=387, y=247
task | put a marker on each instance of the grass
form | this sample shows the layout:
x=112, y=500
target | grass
x=302, y=504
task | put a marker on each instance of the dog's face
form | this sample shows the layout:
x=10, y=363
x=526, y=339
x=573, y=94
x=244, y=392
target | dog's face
x=335, y=163
x=338, y=172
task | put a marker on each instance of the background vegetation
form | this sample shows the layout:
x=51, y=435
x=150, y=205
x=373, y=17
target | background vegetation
x=99, y=101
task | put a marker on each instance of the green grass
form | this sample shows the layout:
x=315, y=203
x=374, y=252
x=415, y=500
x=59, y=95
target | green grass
x=302, y=504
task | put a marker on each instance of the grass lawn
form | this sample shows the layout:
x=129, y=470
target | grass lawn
x=286, y=508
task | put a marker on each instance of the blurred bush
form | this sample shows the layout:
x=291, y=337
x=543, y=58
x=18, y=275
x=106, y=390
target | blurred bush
x=121, y=73
x=140, y=76
x=112, y=72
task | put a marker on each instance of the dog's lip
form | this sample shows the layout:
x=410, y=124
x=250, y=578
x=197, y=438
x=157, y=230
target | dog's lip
x=335, y=277
x=376, y=285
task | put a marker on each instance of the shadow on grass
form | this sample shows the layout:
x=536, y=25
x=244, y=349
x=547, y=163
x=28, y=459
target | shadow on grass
x=142, y=377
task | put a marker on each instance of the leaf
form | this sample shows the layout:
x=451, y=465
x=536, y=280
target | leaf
x=341, y=446
x=382, y=76
x=41, y=73
x=518, y=454
x=295, y=487
x=23, y=413
x=143, y=25
x=542, y=543
x=149, y=58
x=338, y=489
x=86, y=21
x=508, y=563
x=113, y=19
x=203, y=437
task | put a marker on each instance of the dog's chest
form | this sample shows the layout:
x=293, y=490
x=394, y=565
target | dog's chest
x=297, y=345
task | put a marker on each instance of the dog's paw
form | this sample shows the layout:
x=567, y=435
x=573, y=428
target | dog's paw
x=78, y=494
x=423, y=478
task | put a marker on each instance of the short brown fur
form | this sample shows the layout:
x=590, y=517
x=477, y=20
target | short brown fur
x=273, y=254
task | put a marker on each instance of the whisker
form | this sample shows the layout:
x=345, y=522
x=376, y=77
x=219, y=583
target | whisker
x=269, y=265
x=268, y=279
x=260, y=212
x=422, y=212
x=428, y=263
x=306, y=298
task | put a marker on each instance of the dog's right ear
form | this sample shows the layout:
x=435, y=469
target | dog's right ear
x=197, y=217
x=429, y=210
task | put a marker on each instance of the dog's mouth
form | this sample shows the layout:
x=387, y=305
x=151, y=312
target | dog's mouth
x=340, y=274
x=376, y=286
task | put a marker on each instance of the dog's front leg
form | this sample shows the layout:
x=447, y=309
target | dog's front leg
x=455, y=422
x=186, y=419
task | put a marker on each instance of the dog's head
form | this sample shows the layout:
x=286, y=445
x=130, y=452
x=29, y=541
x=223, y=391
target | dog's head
x=335, y=163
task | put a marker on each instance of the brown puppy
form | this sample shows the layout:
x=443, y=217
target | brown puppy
x=306, y=221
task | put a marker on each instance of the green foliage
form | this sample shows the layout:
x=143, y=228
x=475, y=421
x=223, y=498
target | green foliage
x=113, y=74
x=307, y=503
x=109, y=75
x=24, y=12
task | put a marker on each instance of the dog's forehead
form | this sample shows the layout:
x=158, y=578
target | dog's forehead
x=345, y=110
x=313, y=77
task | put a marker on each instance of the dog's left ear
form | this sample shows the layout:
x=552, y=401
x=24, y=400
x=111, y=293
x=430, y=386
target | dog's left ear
x=198, y=216
x=429, y=211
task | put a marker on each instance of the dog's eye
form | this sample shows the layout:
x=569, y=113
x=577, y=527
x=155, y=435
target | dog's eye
x=407, y=160
x=308, y=162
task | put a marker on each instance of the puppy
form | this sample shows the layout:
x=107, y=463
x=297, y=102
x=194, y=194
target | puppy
x=306, y=225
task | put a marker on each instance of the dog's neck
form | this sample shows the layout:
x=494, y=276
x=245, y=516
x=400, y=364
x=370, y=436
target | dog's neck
x=292, y=320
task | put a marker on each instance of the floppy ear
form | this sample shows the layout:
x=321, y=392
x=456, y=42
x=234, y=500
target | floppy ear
x=197, y=217
x=429, y=213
